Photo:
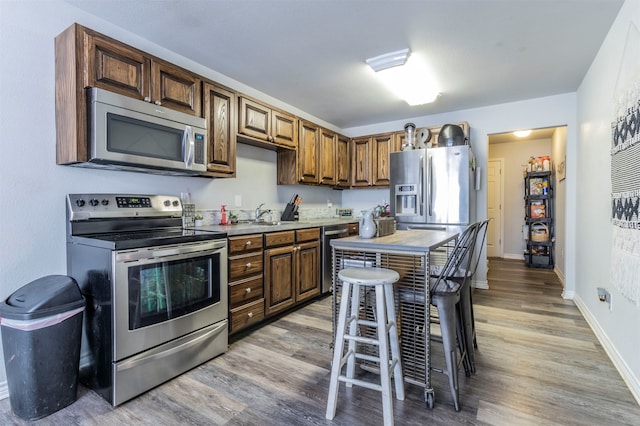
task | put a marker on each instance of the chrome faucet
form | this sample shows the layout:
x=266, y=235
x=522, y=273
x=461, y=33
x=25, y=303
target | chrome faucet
x=260, y=213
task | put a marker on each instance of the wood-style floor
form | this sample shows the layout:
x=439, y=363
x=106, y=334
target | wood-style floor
x=538, y=363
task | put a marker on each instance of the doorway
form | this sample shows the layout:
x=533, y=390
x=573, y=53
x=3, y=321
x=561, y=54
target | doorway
x=507, y=158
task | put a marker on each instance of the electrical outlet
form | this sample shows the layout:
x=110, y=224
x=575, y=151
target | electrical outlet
x=604, y=296
x=329, y=203
x=238, y=200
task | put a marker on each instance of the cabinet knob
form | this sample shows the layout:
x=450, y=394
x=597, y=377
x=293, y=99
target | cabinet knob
x=147, y=99
x=249, y=265
x=250, y=314
x=270, y=138
x=248, y=290
x=158, y=103
x=248, y=243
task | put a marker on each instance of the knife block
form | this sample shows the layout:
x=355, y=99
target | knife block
x=290, y=213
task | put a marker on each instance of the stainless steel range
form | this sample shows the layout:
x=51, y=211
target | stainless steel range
x=156, y=292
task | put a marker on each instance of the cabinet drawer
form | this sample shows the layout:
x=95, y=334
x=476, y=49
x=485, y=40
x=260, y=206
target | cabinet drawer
x=307, y=234
x=274, y=239
x=245, y=265
x=246, y=315
x=245, y=244
x=244, y=291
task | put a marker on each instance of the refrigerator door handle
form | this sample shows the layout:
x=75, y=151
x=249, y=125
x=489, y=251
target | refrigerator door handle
x=430, y=184
x=420, y=188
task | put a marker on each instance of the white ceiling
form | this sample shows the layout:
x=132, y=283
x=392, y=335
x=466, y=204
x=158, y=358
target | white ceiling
x=311, y=53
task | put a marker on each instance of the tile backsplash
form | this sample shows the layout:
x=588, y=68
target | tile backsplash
x=212, y=217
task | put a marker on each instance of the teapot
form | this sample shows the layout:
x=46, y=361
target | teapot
x=367, y=225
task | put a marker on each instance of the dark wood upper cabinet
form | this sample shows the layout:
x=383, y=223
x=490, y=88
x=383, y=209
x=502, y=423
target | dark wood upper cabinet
x=220, y=113
x=266, y=126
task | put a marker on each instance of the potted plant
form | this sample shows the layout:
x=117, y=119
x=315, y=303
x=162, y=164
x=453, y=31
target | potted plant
x=198, y=220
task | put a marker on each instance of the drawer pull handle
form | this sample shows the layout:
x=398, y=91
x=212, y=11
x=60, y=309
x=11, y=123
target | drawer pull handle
x=248, y=289
x=250, y=314
x=249, y=265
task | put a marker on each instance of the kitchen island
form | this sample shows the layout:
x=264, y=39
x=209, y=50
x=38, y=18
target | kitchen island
x=410, y=254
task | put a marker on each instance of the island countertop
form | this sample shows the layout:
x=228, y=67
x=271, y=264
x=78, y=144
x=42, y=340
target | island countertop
x=410, y=241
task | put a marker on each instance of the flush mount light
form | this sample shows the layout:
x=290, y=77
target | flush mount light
x=405, y=75
x=522, y=133
x=389, y=60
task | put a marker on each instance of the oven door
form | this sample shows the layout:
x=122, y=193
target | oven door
x=163, y=293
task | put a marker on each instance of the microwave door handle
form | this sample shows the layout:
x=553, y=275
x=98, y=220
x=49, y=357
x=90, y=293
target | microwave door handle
x=188, y=146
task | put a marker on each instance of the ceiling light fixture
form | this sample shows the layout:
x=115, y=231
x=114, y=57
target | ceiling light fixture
x=389, y=60
x=405, y=75
x=522, y=133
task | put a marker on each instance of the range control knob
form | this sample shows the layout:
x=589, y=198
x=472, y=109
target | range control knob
x=176, y=203
x=94, y=202
x=167, y=203
x=105, y=202
x=80, y=203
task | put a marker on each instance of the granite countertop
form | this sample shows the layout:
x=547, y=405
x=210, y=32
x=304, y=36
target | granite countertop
x=257, y=228
x=410, y=241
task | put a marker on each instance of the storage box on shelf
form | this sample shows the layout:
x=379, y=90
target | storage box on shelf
x=539, y=240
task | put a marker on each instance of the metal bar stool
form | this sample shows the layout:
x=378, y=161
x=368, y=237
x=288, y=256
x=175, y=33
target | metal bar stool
x=386, y=337
x=460, y=273
x=446, y=296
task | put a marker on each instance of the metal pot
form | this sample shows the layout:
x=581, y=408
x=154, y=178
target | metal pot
x=450, y=135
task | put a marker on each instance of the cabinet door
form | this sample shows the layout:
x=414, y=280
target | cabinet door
x=308, y=270
x=279, y=279
x=220, y=113
x=382, y=146
x=327, y=157
x=343, y=161
x=176, y=88
x=285, y=129
x=308, y=153
x=116, y=67
x=361, y=162
x=254, y=119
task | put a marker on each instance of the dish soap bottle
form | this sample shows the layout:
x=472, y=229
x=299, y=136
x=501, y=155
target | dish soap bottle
x=367, y=225
x=223, y=215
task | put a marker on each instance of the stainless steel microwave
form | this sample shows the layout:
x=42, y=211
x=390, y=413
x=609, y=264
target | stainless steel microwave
x=130, y=134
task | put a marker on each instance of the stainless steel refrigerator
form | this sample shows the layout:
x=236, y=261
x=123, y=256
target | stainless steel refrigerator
x=433, y=188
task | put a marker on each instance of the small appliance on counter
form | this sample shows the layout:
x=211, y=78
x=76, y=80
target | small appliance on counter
x=344, y=213
x=290, y=212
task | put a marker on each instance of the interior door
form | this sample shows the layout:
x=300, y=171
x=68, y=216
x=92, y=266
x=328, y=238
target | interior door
x=494, y=208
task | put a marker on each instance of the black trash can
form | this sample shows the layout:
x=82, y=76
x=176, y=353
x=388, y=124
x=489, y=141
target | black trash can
x=41, y=327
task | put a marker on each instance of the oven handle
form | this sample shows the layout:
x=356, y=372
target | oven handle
x=158, y=252
x=143, y=358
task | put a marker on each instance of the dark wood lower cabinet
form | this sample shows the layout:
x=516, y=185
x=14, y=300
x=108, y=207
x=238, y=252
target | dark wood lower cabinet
x=271, y=273
x=279, y=279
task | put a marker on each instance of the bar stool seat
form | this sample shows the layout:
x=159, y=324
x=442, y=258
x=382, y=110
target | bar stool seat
x=353, y=281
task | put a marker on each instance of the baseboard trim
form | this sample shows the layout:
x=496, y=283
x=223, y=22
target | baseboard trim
x=4, y=390
x=483, y=285
x=513, y=256
x=627, y=375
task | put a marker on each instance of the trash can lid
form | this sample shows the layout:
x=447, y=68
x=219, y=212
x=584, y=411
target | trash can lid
x=45, y=296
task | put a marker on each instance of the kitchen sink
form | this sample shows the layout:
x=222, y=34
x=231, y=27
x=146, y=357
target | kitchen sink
x=258, y=223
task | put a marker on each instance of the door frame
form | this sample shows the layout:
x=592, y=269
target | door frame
x=501, y=162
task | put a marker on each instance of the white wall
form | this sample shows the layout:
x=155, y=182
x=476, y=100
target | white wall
x=558, y=154
x=516, y=154
x=618, y=328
